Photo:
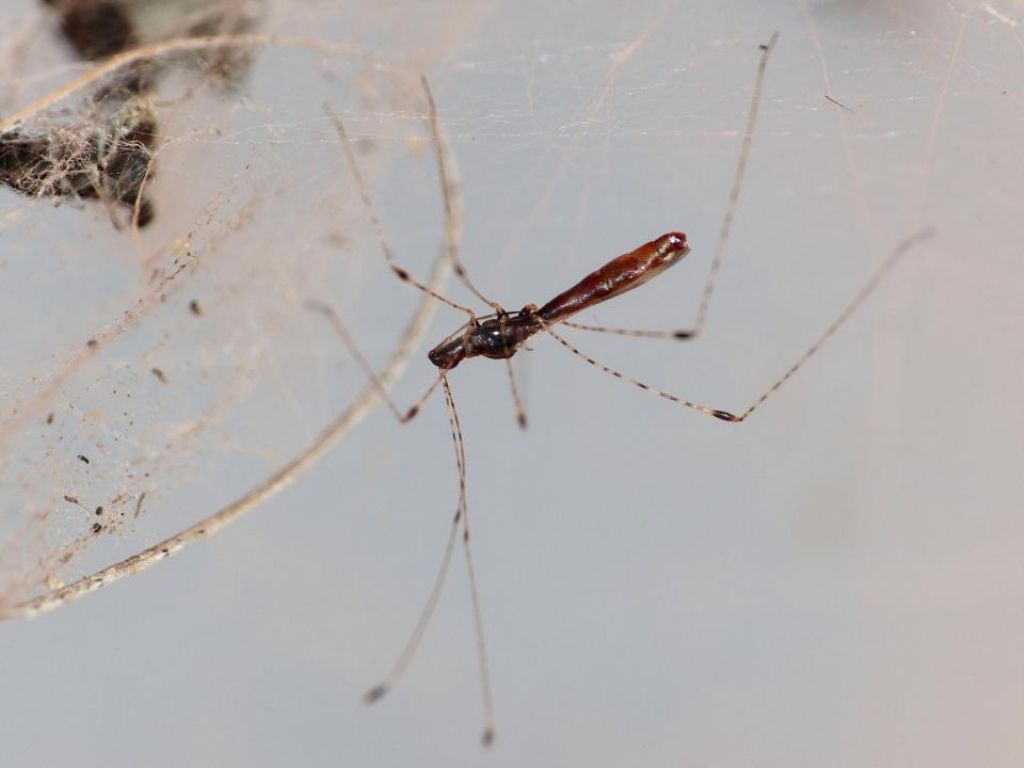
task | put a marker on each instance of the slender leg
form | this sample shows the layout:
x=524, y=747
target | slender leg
x=335, y=321
x=451, y=225
x=520, y=409
x=412, y=644
x=829, y=332
x=487, y=737
x=452, y=211
x=409, y=649
x=730, y=213
x=678, y=334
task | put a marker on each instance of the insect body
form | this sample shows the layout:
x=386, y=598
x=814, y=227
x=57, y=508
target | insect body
x=499, y=336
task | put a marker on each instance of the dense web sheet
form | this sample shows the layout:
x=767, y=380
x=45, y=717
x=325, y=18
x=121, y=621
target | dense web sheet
x=835, y=582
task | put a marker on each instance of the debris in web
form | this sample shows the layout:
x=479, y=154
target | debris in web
x=105, y=154
x=105, y=150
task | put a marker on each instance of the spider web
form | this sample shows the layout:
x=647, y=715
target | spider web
x=175, y=360
x=836, y=580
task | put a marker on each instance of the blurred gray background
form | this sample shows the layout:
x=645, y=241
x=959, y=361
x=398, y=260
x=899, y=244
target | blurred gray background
x=839, y=581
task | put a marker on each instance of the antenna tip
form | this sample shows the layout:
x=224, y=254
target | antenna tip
x=487, y=739
x=374, y=694
x=522, y=421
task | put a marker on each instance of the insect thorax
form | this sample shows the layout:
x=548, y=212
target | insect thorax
x=497, y=336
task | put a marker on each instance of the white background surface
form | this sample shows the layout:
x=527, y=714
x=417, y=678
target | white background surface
x=837, y=582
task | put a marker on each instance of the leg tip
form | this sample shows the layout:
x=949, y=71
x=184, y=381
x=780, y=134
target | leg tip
x=375, y=694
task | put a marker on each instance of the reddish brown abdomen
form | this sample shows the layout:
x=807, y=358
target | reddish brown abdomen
x=619, y=275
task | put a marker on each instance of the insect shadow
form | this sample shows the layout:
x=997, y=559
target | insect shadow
x=501, y=333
